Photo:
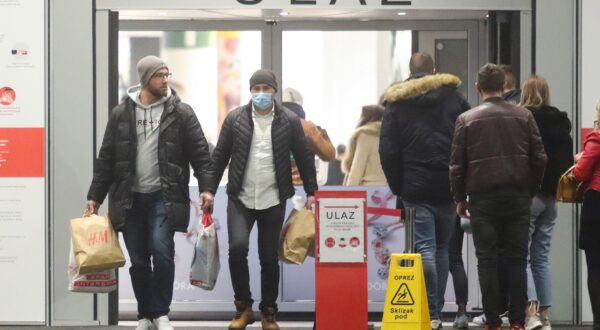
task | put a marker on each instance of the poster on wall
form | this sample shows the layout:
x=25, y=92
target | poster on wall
x=22, y=164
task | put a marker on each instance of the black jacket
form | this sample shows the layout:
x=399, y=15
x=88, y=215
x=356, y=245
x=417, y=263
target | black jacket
x=181, y=142
x=416, y=137
x=286, y=135
x=555, y=129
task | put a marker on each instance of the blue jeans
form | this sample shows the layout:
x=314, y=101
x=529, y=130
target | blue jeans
x=434, y=225
x=149, y=241
x=539, y=281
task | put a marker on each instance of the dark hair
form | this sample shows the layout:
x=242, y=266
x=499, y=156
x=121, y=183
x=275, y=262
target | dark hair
x=370, y=113
x=341, y=148
x=490, y=78
x=420, y=64
x=509, y=76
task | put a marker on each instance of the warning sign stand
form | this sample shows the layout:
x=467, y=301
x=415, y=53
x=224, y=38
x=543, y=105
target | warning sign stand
x=341, y=255
x=406, y=298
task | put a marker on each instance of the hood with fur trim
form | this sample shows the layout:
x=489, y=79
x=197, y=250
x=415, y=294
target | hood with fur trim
x=373, y=128
x=430, y=89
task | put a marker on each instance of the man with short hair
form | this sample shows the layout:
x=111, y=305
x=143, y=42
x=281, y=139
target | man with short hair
x=510, y=92
x=498, y=162
x=150, y=141
x=256, y=141
x=414, y=146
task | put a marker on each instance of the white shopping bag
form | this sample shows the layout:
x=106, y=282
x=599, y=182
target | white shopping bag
x=205, y=262
x=96, y=282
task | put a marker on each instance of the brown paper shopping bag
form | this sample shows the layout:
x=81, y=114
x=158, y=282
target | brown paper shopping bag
x=95, y=244
x=297, y=237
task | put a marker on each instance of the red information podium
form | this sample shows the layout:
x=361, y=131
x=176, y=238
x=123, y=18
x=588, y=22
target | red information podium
x=341, y=260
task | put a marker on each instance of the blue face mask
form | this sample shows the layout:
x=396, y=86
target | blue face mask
x=262, y=100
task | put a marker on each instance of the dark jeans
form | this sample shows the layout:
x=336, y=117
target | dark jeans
x=149, y=241
x=457, y=267
x=500, y=222
x=240, y=221
x=588, y=239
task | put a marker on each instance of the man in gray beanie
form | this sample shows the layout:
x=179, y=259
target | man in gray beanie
x=256, y=141
x=149, y=193
x=148, y=66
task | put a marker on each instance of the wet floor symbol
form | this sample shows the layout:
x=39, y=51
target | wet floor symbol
x=403, y=296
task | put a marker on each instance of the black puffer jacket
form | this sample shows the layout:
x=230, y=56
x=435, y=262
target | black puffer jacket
x=555, y=129
x=287, y=136
x=416, y=137
x=181, y=142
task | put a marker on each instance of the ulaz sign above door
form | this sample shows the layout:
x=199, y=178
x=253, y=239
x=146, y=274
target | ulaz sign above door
x=332, y=2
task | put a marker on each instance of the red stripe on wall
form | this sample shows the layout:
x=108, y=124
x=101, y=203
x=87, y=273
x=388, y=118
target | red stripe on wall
x=21, y=152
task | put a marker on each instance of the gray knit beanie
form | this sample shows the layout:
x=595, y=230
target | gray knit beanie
x=148, y=66
x=264, y=76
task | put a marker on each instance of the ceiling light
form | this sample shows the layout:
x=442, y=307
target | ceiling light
x=402, y=13
x=162, y=14
x=284, y=13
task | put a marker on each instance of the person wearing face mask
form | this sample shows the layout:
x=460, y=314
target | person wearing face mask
x=256, y=140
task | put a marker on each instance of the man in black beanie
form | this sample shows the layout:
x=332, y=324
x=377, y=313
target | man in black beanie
x=150, y=141
x=256, y=140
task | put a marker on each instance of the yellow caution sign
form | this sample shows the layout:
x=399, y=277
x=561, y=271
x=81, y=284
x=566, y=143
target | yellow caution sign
x=406, y=298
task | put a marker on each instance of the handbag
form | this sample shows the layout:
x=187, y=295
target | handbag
x=205, y=261
x=297, y=237
x=95, y=244
x=569, y=190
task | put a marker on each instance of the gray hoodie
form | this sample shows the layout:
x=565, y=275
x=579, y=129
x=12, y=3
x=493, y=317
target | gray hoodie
x=147, y=119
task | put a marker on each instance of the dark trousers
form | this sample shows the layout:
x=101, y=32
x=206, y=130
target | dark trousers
x=500, y=222
x=593, y=281
x=588, y=241
x=457, y=267
x=240, y=221
x=149, y=241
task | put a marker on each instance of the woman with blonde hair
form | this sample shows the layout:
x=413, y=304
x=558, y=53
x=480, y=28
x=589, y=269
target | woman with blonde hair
x=361, y=163
x=555, y=129
x=587, y=170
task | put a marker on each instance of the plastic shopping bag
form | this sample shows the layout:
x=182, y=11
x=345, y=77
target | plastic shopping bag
x=297, y=237
x=95, y=244
x=99, y=282
x=205, y=262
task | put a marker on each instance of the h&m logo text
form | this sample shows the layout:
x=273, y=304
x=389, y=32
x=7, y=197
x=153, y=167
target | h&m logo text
x=98, y=237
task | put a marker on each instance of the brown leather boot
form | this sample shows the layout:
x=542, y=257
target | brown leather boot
x=243, y=316
x=268, y=319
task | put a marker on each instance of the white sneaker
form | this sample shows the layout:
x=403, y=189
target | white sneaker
x=546, y=325
x=436, y=324
x=144, y=324
x=162, y=323
x=533, y=323
x=480, y=320
x=504, y=318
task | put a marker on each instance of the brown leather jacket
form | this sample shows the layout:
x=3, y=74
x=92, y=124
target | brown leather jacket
x=496, y=145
